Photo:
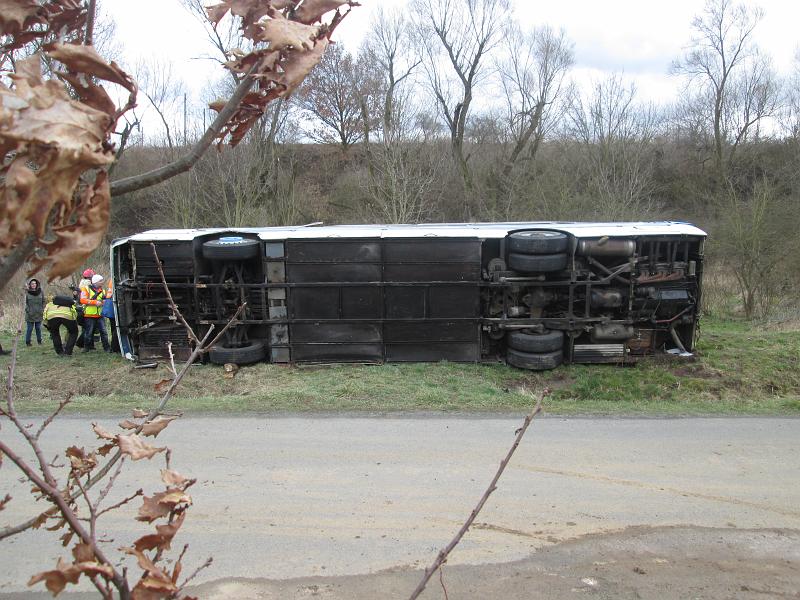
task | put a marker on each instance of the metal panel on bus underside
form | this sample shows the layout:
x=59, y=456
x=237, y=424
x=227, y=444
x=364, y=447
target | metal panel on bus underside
x=387, y=300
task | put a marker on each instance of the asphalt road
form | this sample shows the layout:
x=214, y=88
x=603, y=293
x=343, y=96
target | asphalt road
x=288, y=497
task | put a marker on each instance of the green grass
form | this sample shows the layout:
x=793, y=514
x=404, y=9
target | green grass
x=741, y=369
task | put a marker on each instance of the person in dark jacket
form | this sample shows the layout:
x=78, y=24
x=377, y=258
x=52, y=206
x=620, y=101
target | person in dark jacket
x=34, y=310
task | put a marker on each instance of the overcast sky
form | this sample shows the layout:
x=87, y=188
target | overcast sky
x=637, y=37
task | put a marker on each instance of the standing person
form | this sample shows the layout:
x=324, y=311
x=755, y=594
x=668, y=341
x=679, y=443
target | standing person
x=34, y=310
x=85, y=283
x=108, y=313
x=92, y=300
x=58, y=315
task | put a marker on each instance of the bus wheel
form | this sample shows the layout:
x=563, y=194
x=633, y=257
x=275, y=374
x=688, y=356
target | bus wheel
x=534, y=361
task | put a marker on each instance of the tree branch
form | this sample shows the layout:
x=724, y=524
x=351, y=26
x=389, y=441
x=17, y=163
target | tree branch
x=442, y=556
x=188, y=160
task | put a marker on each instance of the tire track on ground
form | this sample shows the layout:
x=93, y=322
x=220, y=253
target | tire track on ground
x=661, y=488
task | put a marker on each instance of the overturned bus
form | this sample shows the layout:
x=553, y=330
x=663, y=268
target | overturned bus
x=532, y=294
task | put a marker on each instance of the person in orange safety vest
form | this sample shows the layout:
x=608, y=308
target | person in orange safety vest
x=92, y=299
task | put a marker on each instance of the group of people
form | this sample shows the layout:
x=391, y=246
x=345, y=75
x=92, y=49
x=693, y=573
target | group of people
x=82, y=314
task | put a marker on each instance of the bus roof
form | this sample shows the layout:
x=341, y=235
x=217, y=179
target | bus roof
x=444, y=230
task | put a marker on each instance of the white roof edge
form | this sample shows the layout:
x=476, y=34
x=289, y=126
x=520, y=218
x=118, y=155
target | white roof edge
x=446, y=230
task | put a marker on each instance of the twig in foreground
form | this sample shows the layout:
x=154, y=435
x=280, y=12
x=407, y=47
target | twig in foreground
x=441, y=558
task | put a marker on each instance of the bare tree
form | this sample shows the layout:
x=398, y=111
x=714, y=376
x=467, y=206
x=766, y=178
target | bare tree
x=390, y=43
x=335, y=94
x=223, y=37
x=736, y=83
x=400, y=171
x=757, y=232
x=532, y=73
x=615, y=133
x=790, y=113
x=163, y=90
x=466, y=31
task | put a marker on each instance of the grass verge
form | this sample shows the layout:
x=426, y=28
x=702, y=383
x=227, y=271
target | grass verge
x=741, y=368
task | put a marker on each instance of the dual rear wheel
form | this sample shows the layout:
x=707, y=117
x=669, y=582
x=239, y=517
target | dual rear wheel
x=537, y=251
x=535, y=351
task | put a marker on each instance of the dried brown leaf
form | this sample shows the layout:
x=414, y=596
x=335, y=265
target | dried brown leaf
x=80, y=462
x=77, y=240
x=91, y=95
x=151, y=509
x=128, y=424
x=173, y=478
x=16, y=15
x=133, y=446
x=55, y=187
x=6, y=499
x=282, y=33
x=105, y=449
x=58, y=525
x=102, y=433
x=138, y=413
x=66, y=538
x=263, y=61
x=85, y=59
x=57, y=579
x=299, y=65
x=54, y=139
x=83, y=553
x=145, y=564
x=311, y=11
x=27, y=20
x=173, y=497
x=64, y=573
x=154, y=580
x=163, y=536
x=39, y=521
x=57, y=135
x=161, y=504
x=250, y=10
x=154, y=427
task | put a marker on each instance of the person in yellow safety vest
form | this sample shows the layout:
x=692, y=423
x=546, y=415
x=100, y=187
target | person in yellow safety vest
x=56, y=315
x=92, y=299
x=86, y=282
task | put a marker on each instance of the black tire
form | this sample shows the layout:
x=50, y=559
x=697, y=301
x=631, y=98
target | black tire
x=528, y=341
x=537, y=263
x=542, y=361
x=231, y=248
x=244, y=355
x=538, y=242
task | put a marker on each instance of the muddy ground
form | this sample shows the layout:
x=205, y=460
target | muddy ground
x=660, y=563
